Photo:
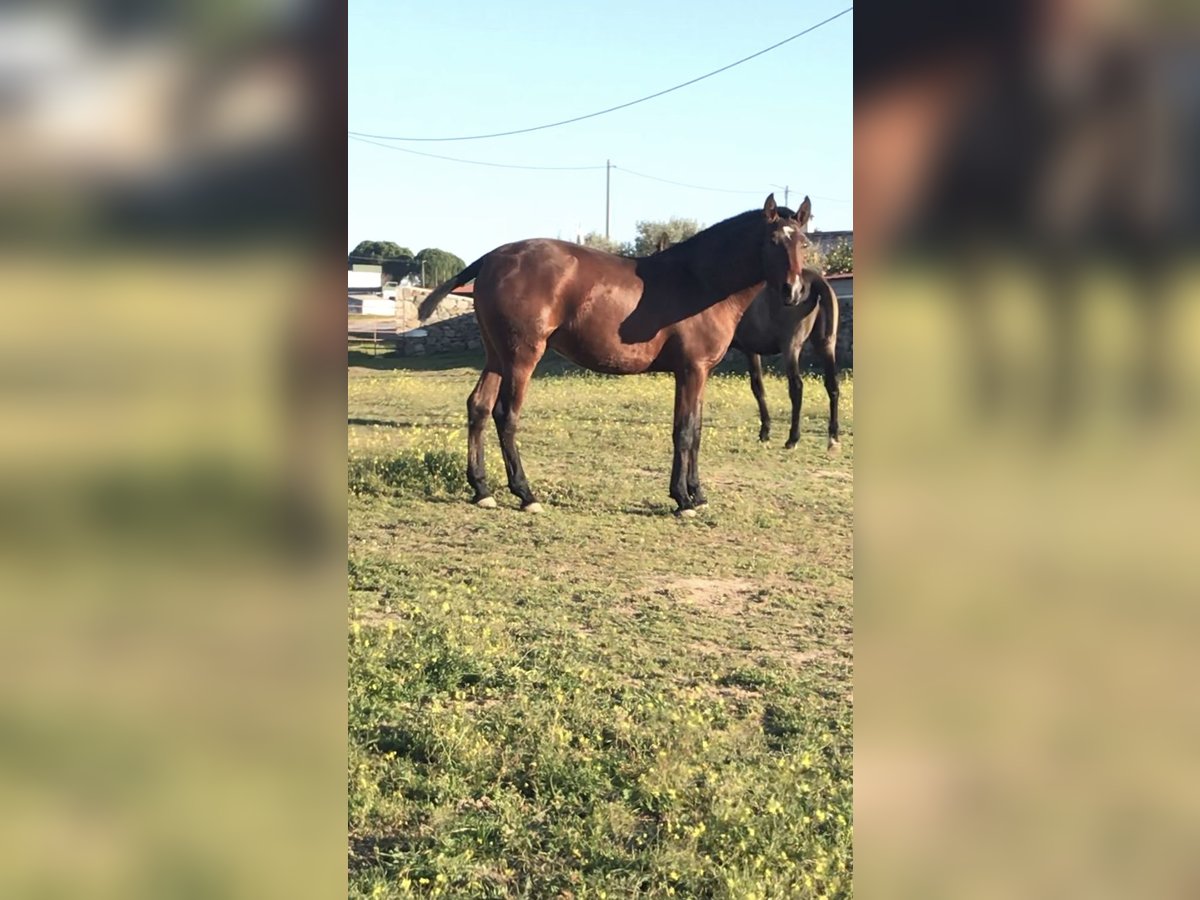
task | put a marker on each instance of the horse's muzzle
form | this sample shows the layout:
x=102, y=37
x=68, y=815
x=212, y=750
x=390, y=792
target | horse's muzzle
x=793, y=294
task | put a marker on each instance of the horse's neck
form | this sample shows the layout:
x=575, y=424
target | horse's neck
x=742, y=300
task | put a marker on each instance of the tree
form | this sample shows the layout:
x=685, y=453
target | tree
x=839, y=259
x=378, y=251
x=652, y=235
x=438, y=266
x=600, y=242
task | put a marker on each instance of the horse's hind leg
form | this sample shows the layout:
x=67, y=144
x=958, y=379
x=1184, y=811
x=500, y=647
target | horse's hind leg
x=507, y=413
x=756, y=388
x=828, y=351
x=479, y=406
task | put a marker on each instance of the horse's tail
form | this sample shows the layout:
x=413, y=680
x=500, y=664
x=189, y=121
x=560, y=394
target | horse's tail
x=827, y=300
x=430, y=303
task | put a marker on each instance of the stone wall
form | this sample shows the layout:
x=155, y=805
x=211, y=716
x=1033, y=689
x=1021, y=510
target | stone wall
x=407, y=301
x=453, y=329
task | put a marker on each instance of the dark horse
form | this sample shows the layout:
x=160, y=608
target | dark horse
x=770, y=327
x=673, y=311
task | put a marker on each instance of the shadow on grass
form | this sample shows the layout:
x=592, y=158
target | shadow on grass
x=438, y=362
x=651, y=509
x=382, y=423
x=551, y=364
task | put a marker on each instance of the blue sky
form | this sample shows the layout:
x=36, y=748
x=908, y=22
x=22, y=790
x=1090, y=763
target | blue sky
x=468, y=67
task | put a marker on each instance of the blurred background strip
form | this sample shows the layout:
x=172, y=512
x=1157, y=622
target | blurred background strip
x=172, y=694
x=1026, y=215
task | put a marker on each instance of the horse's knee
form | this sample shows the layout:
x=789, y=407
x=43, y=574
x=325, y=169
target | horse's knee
x=506, y=424
x=477, y=411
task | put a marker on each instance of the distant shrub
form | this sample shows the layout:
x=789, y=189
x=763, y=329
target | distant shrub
x=839, y=260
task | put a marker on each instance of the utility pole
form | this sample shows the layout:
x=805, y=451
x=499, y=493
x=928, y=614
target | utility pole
x=607, y=193
x=785, y=195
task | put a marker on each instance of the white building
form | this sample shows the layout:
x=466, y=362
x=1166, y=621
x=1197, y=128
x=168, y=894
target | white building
x=370, y=305
x=364, y=278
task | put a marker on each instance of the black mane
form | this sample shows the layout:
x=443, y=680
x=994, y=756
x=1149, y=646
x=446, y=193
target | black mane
x=719, y=229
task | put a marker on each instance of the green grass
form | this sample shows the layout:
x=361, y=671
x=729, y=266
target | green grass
x=602, y=701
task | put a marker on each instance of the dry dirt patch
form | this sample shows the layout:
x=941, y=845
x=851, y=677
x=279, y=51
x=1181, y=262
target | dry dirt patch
x=719, y=595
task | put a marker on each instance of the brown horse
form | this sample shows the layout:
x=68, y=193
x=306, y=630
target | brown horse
x=770, y=327
x=673, y=311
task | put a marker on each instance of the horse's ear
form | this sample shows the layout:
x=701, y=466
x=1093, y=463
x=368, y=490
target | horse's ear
x=804, y=213
x=770, y=210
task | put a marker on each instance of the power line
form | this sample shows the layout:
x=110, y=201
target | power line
x=475, y=162
x=698, y=187
x=478, y=162
x=701, y=187
x=783, y=187
x=477, y=137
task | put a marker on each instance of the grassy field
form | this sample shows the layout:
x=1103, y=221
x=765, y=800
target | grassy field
x=604, y=700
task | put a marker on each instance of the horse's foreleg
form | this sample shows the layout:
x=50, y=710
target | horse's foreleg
x=829, y=361
x=796, y=393
x=791, y=354
x=699, y=498
x=479, y=406
x=507, y=413
x=689, y=393
x=756, y=387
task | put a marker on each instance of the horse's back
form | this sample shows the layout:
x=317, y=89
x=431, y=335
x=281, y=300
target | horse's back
x=529, y=260
x=544, y=264
x=574, y=297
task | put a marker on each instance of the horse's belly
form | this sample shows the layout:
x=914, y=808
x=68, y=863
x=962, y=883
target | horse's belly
x=759, y=344
x=590, y=333
x=601, y=352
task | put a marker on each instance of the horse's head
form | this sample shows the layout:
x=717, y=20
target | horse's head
x=785, y=249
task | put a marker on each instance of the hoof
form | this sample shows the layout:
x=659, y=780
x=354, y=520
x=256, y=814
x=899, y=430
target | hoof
x=486, y=502
x=790, y=444
x=534, y=507
x=686, y=513
x=834, y=445
x=764, y=436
